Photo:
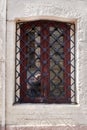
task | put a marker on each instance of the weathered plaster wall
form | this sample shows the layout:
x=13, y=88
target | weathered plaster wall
x=45, y=115
x=2, y=59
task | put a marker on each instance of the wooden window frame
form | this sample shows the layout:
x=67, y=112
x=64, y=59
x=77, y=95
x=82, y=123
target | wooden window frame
x=45, y=81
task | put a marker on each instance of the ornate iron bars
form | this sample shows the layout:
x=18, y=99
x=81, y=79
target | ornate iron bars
x=45, y=62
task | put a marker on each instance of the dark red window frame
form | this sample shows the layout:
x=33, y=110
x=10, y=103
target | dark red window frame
x=44, y=43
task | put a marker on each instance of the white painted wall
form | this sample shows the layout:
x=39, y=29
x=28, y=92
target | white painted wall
x=33, y=115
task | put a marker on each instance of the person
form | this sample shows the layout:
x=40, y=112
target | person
x=34, y=85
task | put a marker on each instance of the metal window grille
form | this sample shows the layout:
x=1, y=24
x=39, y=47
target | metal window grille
x=45, y=62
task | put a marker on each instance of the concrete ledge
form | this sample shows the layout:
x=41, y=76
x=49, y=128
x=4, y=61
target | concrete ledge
x=46, y=128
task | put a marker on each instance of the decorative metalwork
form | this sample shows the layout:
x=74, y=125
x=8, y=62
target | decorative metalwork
x=45, y=62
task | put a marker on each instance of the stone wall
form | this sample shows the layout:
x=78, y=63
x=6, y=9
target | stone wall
x=28, y=115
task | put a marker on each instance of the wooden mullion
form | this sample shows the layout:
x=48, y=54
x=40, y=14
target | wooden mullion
x=23, y=60
x=45, y=80
x=67, y=70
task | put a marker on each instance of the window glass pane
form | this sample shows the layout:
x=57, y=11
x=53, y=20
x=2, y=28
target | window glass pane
x=56, y=62
x=33, y=63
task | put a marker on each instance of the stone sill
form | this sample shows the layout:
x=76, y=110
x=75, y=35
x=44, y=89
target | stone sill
x=78, y=127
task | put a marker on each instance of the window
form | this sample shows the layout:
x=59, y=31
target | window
x=45, y=62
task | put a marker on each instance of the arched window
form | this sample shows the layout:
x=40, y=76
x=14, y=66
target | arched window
x=45, y=62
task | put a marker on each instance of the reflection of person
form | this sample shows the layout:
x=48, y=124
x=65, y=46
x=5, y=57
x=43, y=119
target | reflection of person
x=37, y=79
x=34, y=85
